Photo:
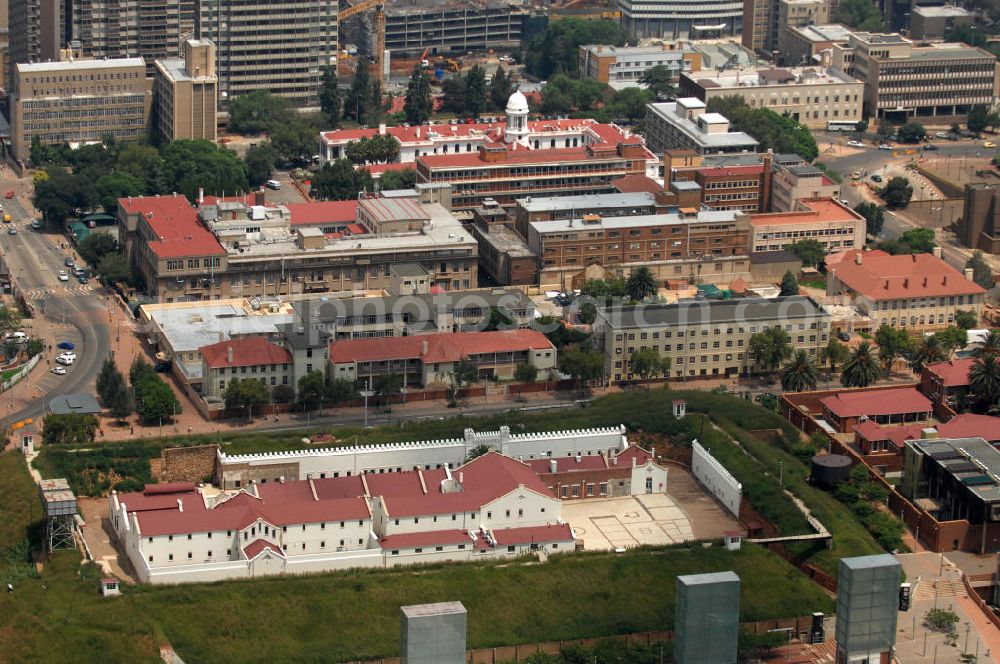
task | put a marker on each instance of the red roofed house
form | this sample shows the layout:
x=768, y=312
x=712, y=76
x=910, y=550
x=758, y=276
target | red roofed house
x=490, y=506
x=904, y=405
x=945, y=381
x=882, y=446
x=918, y=292
x=826, y=220
x=430, y=358
x=629, y=473
x=243, y=358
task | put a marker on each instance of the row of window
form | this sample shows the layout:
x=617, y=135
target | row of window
x=718, y=330
x=921, y=302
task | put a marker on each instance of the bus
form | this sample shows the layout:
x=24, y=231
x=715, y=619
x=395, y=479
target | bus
x=841, y=125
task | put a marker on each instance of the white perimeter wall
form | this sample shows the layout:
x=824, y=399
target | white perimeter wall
x=716, y=478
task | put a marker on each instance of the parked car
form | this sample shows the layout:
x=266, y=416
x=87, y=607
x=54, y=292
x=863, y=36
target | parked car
x=66, y=358
x=876, y=178
x=63, y=276
x=59, y=371
x=886, y=146
x=161, y=367
x=855, y=144
x=9, y=195
x=843, y=336
x=272, y=184
x=82, y=278
x=989, y=144
x=36, y=225
x=12, y=230
x=930, y=146
x=942, y=134
x=69, y=262
x=17, y=337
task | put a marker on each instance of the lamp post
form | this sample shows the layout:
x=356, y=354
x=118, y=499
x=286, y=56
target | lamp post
x=367, y=393
x=781, y=475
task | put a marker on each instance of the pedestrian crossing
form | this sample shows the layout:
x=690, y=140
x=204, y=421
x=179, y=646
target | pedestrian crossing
x=38, y=294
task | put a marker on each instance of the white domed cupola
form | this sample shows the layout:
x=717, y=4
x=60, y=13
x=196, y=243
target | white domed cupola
x=517, y=118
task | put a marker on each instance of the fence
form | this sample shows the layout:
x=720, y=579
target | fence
x=21, y=373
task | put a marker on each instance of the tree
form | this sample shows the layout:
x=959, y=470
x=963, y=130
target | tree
x=117, y=185
x=340, y=181
x=861, y=15
x=386, y=385
x=966, y=319
x=981, y=272
x=800, y=374
x=525, y=373
x=641, y=284
x=789, y=286
x=282, y=394
x=96, y=246
x=770, y=348
x=477, y=451
x=874, y=217
x=329, y=94
x=630, y=104
x=835, y=353
x=190, y=165
x=155, y=401
x=977, y=118
x=340, y=390
x=453, y=95
x=475, y=91
x=35, y=347
x=10, y=320
x=64, y=428
x=377, y=149
x=139, y=371
x=984, y=381
x=118, y=401
x=557, y=49
x=463, y=373
x=990, y=345
x=861, y=126
x=911, y=132
x=584, y=366
x=418, y=107
x=114, y=268
x=403, y=178
x=926, y=351
x=647, y=363
x=660, y=79
x=557, y=332
x=294, y=140
x=811, y=252
x=501, y=88
x=498, y=319
x=312, y=390
x=775, y=132
x=953, y=338
x=913, y=241
x=357, y=105
x=897, y=193
x=259, y=161
x=892, y=343
x=861, y=369
x=144, y=162
x=258, y=112
x=248, y=393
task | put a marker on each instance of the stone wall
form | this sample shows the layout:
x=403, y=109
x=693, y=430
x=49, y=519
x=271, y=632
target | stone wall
x=185, y=464
x=714, y=477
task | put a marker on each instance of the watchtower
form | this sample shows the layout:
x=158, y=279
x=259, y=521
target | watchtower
x=59, y=504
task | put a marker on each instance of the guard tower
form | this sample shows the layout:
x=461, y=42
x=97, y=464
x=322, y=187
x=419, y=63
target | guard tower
x=59, y=504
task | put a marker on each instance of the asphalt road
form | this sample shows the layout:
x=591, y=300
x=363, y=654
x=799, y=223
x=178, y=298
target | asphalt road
x=66, y=310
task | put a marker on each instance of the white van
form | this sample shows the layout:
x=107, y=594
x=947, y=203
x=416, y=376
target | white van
x=17, y=337
x=272, y=184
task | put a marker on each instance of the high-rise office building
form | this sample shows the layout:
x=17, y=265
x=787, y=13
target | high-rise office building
x=149, y=29
x=279, y=45
x=38, y=29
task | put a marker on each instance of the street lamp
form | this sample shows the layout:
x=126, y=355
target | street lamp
x=367, y=393
x=781, y=475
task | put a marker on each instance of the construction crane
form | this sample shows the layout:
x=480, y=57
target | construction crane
x=379, y=27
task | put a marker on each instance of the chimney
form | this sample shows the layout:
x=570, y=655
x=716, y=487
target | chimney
x=914, y=257
x=578, y=457
x=857, y=258
x=258, y=197
x=906, y=282
x=180, y=505
x=201, y=195
x=229, y=354
x=968, y=273
x=937, y=252
x=222, y=336
x=925, y=281
x=553, y=466
x=423, y=348
x=461, y=477
x=381, y=129
x=887, y=284
x=944, y=280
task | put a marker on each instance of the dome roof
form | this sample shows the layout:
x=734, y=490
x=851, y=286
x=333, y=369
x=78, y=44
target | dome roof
x=517, y=103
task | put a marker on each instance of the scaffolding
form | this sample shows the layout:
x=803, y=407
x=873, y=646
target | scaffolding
x=59, y=504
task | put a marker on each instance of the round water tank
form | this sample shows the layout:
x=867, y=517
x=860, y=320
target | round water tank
x=829, y=470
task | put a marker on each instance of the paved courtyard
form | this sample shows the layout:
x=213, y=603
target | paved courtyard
x=627, y=521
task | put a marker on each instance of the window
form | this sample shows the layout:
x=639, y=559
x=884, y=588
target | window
x=510, y=549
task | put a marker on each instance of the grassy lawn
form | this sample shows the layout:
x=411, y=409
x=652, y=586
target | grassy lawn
x=818, y=283
x=348, y=615
x=20, y=508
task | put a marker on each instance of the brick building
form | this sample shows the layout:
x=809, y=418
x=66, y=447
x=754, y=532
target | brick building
x=846, y=408
x=601, y=475
x=826, y=220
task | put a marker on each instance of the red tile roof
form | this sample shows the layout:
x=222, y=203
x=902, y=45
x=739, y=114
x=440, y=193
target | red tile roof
x=247, y=352
x=906, y=276
x=966, y=425
x=849, y=255
x=953, y=373
x=636, y=183
x=818, y=211
x=445, y=347
x=168, y=487
x=560, y=532
x=428, y=538
x=877, y=402
x=569, y=464
x=323, y=212
x=174, y=222
x=258, y=547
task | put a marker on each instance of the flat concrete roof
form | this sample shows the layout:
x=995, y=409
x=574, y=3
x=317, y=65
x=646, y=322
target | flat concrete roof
x=941, y=12
x=585, y=202
x=69, y=65
x=705, y=312
x=704, y=216
x=668, y=111
x=81, y=404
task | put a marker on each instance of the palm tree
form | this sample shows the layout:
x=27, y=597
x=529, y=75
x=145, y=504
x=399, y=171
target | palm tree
x=641, y=284
x=861, y=369
x=984, y=381
x=835, y=353
x=800, y=374
x=989, y=345
x=927, y=351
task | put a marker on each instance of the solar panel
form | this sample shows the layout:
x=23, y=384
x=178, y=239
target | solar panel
x=977, y=480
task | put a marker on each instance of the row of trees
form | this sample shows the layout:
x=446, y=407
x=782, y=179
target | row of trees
x=470, y=94
x=779, y=133
x=153, y=399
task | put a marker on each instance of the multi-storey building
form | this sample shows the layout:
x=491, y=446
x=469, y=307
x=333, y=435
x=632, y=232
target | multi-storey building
x=935, y=22
x=826, y=220
x=79, y=101
x=706, y=337
x=793, y=182
x=453, y=26
x=493, y=506
x=253, y=358
x=38, y=30
x=623, y=66
x=700, y=245
x=918, y=292
x=758, y=25
x=430, y=359
x=812, y=96
x=555, y=208
x=979, y=227
x=726, y=182
x=243, y=247
x=150, y=29
x=794, y=14
x=684, y=124
x=804, y=44
x=185, y=94
x=673, y=19
x=285, y=54
x=902, y=80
